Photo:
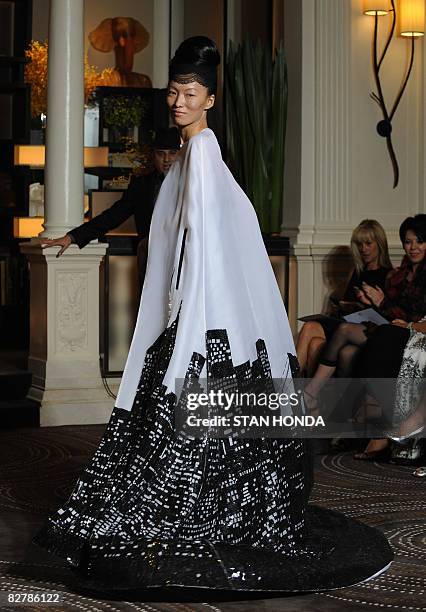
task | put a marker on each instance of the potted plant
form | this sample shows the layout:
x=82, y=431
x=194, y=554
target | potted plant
x=123, y=115
x=256, y=106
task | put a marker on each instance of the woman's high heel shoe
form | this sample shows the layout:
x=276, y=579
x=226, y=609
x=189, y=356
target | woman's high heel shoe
x=382, y=454
x=413, y=434
x=380, y=451
x=412, y=426
x=420, y=472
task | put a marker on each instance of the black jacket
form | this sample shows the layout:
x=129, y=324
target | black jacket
x=138, y=200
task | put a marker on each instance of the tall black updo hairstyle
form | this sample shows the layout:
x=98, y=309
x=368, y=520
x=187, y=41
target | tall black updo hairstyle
x=196, y=59
x=416, y=224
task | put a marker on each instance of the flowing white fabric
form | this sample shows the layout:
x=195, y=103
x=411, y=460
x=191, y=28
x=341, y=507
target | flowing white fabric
x=226, y=280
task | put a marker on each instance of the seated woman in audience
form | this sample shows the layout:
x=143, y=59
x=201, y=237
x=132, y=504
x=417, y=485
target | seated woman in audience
x=403, y=303
x=398, y=351
x=370, y=253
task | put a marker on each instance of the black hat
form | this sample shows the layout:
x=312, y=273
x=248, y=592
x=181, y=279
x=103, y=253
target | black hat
x=167, y=138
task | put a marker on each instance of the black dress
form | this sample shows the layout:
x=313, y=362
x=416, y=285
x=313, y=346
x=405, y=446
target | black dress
x=379, y=362
x=380, y=358
x=372, y=278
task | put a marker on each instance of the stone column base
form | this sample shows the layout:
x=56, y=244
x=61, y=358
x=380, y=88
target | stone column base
x=73, y=407
x=64, y=334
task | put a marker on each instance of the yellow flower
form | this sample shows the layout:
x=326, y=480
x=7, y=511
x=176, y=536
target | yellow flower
x=36, y=76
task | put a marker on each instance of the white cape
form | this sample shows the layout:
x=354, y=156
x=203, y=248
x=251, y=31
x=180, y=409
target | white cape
x=225, y=280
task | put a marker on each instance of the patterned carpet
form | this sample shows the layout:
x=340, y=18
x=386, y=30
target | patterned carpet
x=39, y=466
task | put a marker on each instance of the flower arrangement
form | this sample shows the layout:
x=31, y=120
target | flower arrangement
x=92, y=79
x=36, y=76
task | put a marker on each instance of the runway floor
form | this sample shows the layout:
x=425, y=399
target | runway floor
x=39, y=466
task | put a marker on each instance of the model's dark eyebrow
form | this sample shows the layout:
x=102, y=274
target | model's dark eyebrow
x=190, y=89
x=192, y=85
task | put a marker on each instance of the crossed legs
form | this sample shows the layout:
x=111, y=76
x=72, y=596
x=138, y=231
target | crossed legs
x=345, y=335
x=310, y=342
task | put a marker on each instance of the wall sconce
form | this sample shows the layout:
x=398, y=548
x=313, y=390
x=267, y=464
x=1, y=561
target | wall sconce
x=411, y=25
x=376, y=7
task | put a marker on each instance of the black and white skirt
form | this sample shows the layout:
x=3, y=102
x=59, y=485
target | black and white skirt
x=158, y=509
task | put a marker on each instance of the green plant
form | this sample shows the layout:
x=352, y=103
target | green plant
x=256, y=103
x=124, y=111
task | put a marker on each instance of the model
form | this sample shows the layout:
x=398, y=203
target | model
x=157, y=507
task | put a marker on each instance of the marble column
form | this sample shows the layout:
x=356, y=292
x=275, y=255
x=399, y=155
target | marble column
x=177, y=24
x=64, y=302
x=317, y=175
x=161, y=44
x=64, y=180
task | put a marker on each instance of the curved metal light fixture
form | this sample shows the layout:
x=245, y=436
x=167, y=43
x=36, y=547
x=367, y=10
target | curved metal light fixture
x=412, y=18
x=376, y=7
x=412, y=26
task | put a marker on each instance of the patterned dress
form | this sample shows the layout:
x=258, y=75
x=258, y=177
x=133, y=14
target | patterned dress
x=410, y=385
x=159, y=507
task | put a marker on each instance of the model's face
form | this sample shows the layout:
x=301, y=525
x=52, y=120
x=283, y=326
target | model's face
x=414, y=248
x=369, y=251
x=188, y=102
x=163, y=159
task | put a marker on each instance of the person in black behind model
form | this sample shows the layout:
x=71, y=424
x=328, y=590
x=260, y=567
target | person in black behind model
x=138, y=200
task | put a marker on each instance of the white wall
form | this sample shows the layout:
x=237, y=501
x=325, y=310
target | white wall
x=40, y=19
x=371, y=171
x=142, y=10
x=338, y=169
x=97, y=10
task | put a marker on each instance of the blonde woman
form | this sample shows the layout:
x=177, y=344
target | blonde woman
x=372, y=263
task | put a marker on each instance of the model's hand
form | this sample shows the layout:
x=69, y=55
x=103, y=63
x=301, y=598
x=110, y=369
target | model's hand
x=374, y=294
x=64, y=242
x=399, y=323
